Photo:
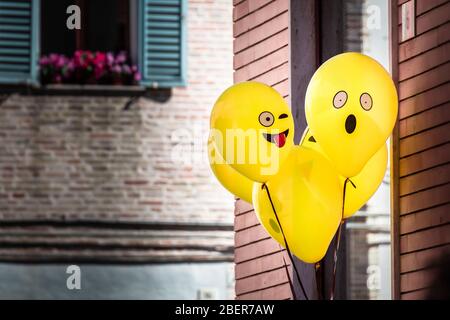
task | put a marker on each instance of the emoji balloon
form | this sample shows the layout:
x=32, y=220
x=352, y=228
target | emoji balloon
x=364, y=184
x=307, y=197
x=351, y=107
x=233, y=181
x=252, y=129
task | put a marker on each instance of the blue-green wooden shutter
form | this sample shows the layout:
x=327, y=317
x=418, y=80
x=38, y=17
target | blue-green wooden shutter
x=162, y=42
x=19, y=41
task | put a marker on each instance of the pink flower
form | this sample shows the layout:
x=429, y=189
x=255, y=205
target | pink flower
x=137, y=76
x=126, y=69
x=88, y=67
x=53, y=57
x=99, y=71
x=121, y=57
x=116, y=68
x=78, y=58
x=109, y=59
x=61, y=61
x=70, y=65
x=88, y=55
x=44, y=61
x=100, y=58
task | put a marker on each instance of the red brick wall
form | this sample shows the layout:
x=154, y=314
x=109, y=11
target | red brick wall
x=261, y=53
x=81, y=159
x=423, y=147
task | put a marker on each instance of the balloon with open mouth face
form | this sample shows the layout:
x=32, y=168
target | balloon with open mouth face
x=252, y=128
x=351, y=107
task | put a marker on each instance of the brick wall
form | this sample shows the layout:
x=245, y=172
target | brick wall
x=423, y=149
x=81, y=161
x=261, y=53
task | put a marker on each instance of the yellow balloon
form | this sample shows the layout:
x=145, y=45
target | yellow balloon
x=233, y=181
x=351, y=106
x=307, y=196
x=253, y=129
x=366, y=182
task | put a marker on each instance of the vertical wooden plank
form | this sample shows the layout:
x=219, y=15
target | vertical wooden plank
x=304, y=58
x=332, y=43
x=316, y=35
x=395, y=158
x=331, y=29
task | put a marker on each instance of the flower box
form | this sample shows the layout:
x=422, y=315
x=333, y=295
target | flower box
x=88, y=68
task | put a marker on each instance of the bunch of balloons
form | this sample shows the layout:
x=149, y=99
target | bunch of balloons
x=302, y=193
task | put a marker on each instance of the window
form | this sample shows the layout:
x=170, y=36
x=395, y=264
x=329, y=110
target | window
x=152, y=32
x=105, y=26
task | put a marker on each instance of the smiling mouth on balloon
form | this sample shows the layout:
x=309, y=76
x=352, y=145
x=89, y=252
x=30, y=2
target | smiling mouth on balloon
x=278, y=139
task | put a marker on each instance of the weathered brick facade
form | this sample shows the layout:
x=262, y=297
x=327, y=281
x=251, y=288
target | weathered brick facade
x=84, y=161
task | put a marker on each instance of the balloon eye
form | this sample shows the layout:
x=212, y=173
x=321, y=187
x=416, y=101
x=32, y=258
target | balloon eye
x=366, y=101
x=339, y=99
x=266, y=119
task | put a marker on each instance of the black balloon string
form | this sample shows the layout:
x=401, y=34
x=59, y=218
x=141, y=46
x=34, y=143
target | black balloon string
x=286, y=245
x=289, y=277
x=338, y=240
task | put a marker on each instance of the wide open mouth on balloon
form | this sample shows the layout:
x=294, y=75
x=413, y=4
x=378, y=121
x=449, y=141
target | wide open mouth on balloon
x=350, y=124
x=278, y=139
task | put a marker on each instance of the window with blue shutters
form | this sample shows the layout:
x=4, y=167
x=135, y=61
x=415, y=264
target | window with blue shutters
x=162, y=35
x=19, y=44
x=160, y=40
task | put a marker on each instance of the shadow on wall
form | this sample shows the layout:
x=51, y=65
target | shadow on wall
x=440, y=287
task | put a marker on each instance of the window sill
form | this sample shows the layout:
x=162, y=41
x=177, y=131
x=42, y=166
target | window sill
x=161, y=95
x=90, y=89
x=75, y=89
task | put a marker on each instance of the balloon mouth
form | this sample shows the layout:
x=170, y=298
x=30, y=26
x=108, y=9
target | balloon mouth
x=278, y=139
x=350, y=124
